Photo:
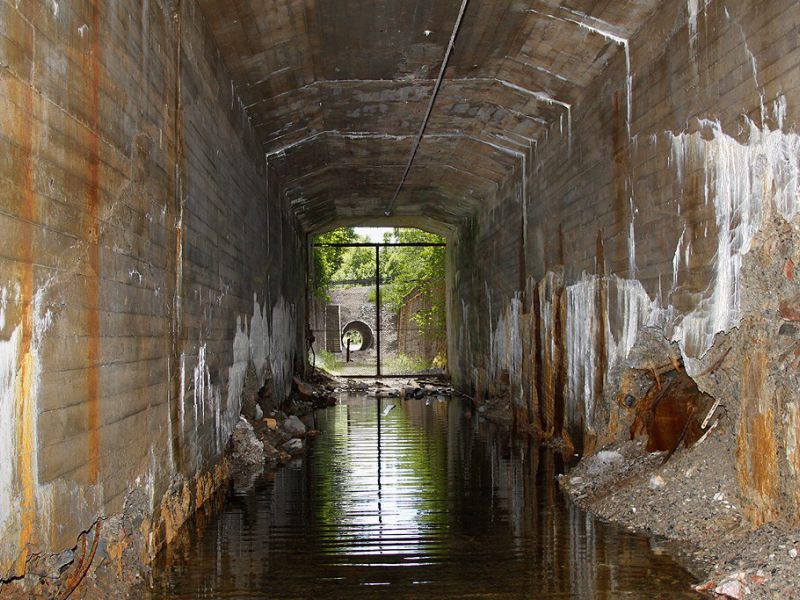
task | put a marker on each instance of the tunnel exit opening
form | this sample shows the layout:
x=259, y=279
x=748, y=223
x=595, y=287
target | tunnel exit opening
x=378, y=308
x=358, y=335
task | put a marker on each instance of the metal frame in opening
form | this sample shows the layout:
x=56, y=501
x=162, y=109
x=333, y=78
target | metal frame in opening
x=378, y=306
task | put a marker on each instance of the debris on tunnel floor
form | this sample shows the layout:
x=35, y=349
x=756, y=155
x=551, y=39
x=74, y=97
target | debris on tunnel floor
x=278, y=436
x=693, y=502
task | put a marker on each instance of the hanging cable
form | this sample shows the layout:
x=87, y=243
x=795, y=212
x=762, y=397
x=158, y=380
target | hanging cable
x=390, y=206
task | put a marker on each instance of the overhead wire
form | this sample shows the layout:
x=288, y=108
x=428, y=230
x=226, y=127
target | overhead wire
x=437, y=86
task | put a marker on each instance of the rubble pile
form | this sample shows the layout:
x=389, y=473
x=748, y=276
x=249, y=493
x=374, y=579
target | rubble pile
x=691, y=500
x=403, y=389
x=273, y=436
x=269, y=435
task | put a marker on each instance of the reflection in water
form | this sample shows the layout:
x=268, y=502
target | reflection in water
x=420, y=502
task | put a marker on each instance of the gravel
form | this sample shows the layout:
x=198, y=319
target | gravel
x=692, y=501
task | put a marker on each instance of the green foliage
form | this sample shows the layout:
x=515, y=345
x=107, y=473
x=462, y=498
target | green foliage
x=326, y=361
x=328, y=260
x=357, y=263
x=356, y=341
x=408, y=264
x=404, y=270
x=420, y=270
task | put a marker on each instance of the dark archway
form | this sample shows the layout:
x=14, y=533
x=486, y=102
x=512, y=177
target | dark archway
x=363, y=330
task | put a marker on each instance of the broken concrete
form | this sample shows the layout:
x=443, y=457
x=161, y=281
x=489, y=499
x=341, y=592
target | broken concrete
x=294, y=426
x=248, y=450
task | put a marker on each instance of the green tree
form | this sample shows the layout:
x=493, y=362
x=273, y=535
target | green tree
x=416, y=269
x=357, y=262
x=328, y=260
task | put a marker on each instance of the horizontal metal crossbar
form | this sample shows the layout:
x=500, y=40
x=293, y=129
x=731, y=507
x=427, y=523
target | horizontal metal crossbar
x=382, y=245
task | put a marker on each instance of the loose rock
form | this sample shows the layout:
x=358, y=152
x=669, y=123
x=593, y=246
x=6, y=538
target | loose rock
x=789, y=308
x=271, y=454
x=731, y=588
x=248, y=450
x=294, y=426
x=293, y=447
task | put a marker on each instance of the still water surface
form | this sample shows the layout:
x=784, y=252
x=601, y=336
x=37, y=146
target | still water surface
x=422, y=502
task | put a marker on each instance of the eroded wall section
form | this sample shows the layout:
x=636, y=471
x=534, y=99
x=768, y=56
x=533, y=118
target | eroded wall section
x=659, y=233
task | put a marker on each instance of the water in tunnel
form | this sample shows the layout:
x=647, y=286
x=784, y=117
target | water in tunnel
x=416, y=503
x=600, y=205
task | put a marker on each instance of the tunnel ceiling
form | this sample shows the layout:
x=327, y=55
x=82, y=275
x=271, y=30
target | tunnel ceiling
x=337, y=91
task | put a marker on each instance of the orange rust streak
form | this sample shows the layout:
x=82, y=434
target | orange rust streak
x=92, y=235
x=757, y=459
x=24, y=413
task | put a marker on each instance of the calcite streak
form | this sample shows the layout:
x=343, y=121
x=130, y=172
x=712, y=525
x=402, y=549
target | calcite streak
x=580, y=332
x=256, y=339
x=506, y=348
x=23, y=501
x=9, y=350
x=744, y=182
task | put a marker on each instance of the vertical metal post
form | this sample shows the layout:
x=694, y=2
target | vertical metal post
x=378, y=408
x=378, y=307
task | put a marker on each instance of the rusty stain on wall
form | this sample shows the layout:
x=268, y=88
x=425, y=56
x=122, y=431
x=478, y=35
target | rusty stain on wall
x=550, y=342
x=92, y=237
x=25, y=410
x=756, y=456
x=669, y=414
x=67, y=117
x=181, y=502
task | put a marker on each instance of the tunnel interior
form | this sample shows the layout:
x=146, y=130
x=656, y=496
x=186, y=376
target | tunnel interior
x=617, y=183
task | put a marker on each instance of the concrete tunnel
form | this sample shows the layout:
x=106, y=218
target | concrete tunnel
x=617, y=182
x=363, y=330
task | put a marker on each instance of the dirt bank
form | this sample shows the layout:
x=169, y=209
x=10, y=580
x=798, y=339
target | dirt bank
x=692, y=500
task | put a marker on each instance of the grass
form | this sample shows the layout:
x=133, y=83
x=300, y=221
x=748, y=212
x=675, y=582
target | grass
x=325, y=360
x=402, y=363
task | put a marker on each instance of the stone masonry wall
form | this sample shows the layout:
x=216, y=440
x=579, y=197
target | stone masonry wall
x=660, y=228
x=355, y=305
x=142, y=265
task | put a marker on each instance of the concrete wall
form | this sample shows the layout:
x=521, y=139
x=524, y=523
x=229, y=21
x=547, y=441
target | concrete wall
x=142, y=265
x=660, y=226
